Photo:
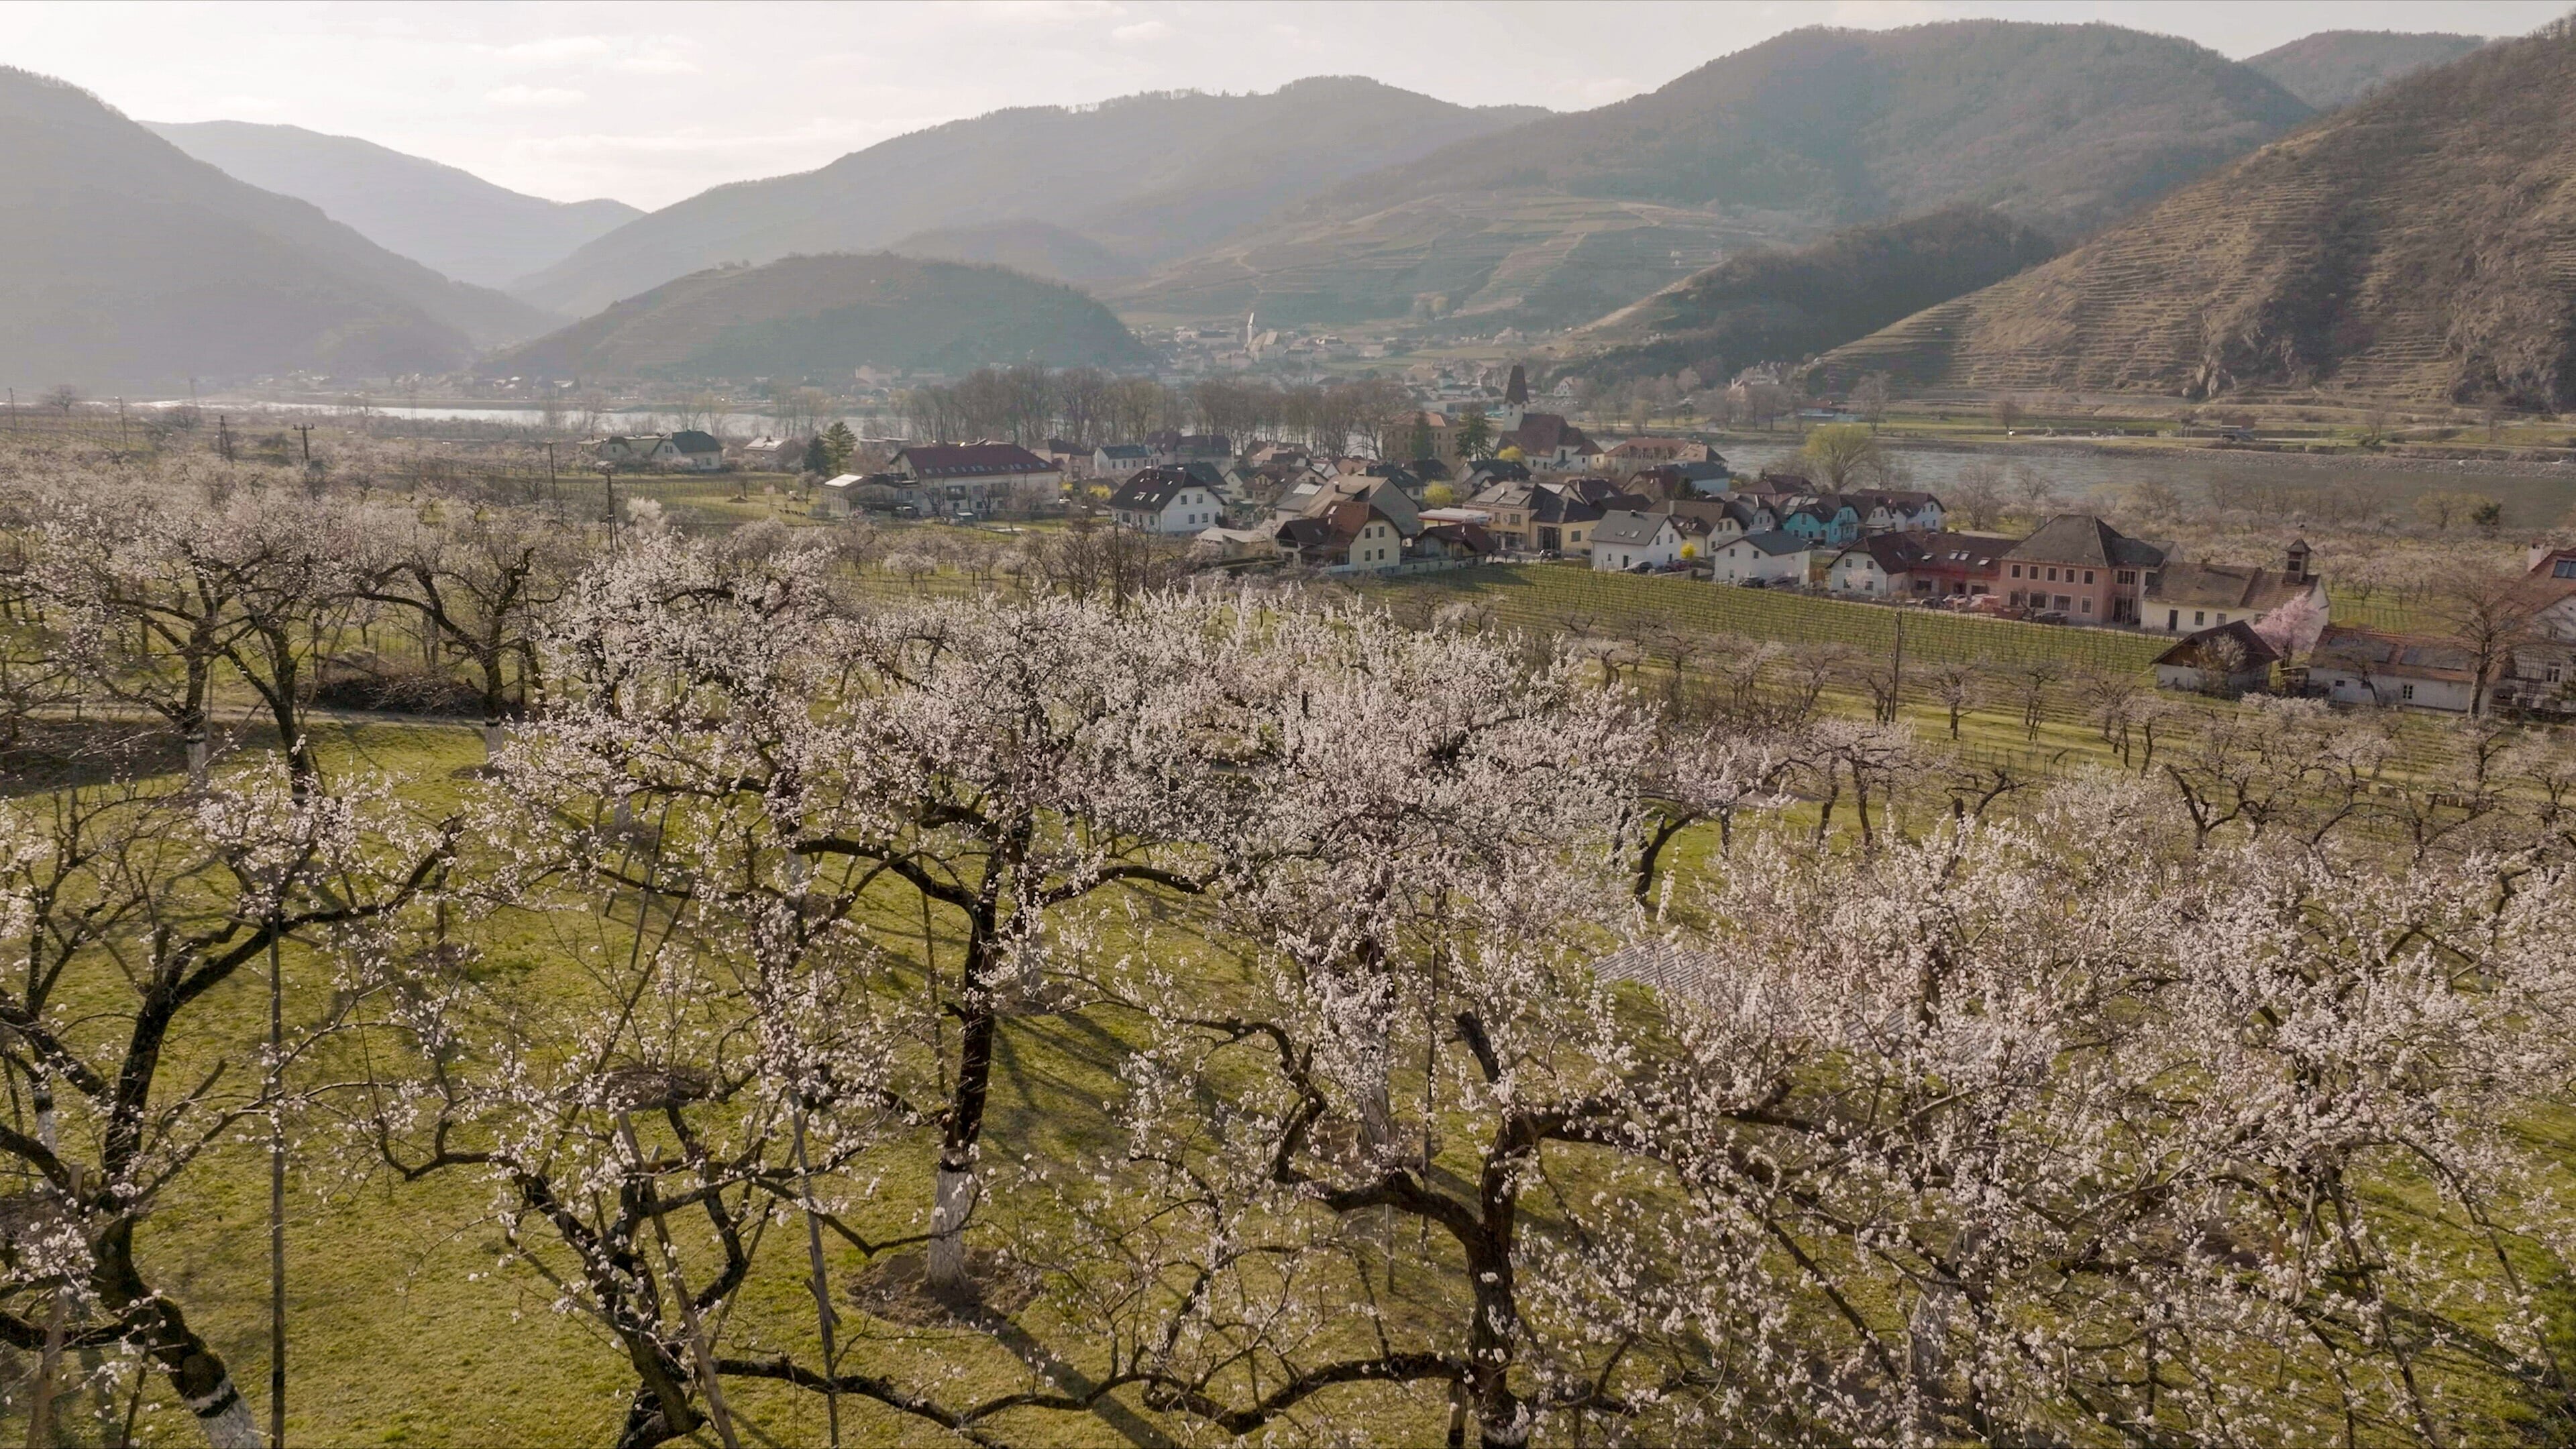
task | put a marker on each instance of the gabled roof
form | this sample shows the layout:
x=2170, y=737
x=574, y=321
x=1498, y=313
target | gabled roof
x=2081, y=538
x=971, y=460
x=1546, y=433
x=1974, y=553
x=692, y=440
x=1628, y=526
x=2412, y=656
x=2194, y=585
x=1469, y=537
x=2253, y=650
x=1150, y=489
x=1775, y=541
x=1123, y=451
x=1894, y=553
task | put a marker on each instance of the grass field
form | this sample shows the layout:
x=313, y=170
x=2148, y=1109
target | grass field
x=1547, y=598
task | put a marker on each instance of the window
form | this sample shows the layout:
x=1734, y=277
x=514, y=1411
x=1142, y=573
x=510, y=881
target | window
x=2199, y=616
x=2127, y=576
x=2565, y=568
x=2405, y=691
x=2173, y=618
x=2062, y=602
x=2088, y=576
x=2088, y=603
x=2222, y=618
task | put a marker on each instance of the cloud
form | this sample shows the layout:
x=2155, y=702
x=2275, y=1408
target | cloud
x=533, y=98
x=1140, y=32
x=556, y=49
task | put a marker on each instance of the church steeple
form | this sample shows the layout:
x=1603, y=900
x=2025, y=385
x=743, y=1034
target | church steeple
x=1516, y=391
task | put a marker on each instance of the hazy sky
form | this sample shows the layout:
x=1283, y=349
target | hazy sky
x=653, y=102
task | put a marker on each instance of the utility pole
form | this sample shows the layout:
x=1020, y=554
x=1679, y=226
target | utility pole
x=122, y=443
x=223, y=438
x=550, y=473
x=608, y=488
x=304, y=431
x=276, y=1200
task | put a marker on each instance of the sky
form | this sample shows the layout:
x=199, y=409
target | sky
x=653, y=102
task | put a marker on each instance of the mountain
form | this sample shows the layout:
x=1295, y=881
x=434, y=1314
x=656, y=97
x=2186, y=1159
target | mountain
x=1767, y=305
x=2332, y=67
x=2419, y=243
x=1144, y=178
x=449, y=220
x=2063, y=127
x=1041, y=249
x=126, y=263
x=814, y=316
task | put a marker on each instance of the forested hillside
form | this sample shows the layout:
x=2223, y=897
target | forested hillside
x=1143, y=177
x=2334, y=67
x=2062, y=127
x=449, y=220
x=124, y=262
x=2420, y=243
x=827, y=315
x=1769, y=305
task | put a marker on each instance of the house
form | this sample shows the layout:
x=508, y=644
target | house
x=1959, y=565
x=2224, y=659
x=2542, y=673
x=833, y=497
x=773, y=454
x=1114, y=461
x=1553, y=515
x=2183, y=598
x=1165, y=500
x=1775, y=557
x=2083, y=568
x=1350, y=535
x=695, y=451
x=1825, y=520
x=1173, y=447
x=1314, y=497
x=1879, y=566
x=1074, y=458
x=946, y=479
x=639, y=450
x=1455, y=542
x=2360, y=666
x=1884, y=510
x=1547, y=443
x=1635, y=455
x=1626, y=538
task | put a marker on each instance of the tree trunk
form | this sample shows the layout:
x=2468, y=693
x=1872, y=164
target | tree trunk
x=955, y=1189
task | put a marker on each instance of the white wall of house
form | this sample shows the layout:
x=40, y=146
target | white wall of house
x=1734, y=563
x=1192, y=510
x=1664, y=548
x=1858, y=573
x=2347, y=686
x=1378, y=546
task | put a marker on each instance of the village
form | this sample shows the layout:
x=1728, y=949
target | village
x=1488, y=479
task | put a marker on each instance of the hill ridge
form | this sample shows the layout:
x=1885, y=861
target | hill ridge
x=2414, y=244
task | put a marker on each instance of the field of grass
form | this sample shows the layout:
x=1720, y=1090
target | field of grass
x=1548, y=598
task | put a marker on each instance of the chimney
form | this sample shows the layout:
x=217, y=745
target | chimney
x=2296, y=567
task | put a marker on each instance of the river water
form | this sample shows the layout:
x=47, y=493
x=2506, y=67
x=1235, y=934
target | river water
x=2534, y=494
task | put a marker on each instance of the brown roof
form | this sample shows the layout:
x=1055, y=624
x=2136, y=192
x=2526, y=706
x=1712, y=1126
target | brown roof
x=2190, y=653
x=2414, y=655
x=2225, y=587
x=1545, y=433
x=2081, y=538
x=971, y=460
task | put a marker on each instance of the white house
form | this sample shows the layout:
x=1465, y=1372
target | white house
x=1776, y=556
x=944, y=479
x=2357, y=666
x=1625, y=538
x=832, y=497
x=1114, y=461
x=1165, y=500
x=1879, y=566
x=2185, y=598
x=2230, y=659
